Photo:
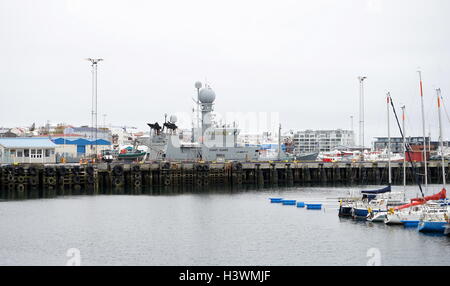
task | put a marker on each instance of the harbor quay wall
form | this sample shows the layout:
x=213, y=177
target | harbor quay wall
x=26, y=181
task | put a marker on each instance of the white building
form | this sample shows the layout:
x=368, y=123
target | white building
x=322, y=140
x=27, y=150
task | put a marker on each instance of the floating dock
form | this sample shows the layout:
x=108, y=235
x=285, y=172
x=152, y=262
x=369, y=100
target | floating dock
x=41, y=181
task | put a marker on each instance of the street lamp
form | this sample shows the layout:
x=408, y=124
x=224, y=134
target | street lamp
x=94, y=63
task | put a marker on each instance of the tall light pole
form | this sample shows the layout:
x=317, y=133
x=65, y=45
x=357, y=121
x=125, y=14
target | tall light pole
x=361, y=113
x=351, y=129
x=94, y=63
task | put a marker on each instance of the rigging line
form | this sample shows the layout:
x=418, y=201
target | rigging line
x=445, y=109
x=408, y=149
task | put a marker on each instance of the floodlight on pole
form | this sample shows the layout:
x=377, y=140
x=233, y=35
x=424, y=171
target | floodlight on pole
x=94, y=63
x=361, y=110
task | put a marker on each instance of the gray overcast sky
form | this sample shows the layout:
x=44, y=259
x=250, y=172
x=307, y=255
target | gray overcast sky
x=299, y=58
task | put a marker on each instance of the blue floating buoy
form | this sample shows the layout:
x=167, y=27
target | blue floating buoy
x=301, y=204
x=276, y=200
x=314, y=206
x=288, y=202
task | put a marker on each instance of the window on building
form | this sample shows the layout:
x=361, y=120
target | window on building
x=33, y=153
x=13, y=152
x=26, y=153
x=39, y=153
x=47, y=152
x=20, y=153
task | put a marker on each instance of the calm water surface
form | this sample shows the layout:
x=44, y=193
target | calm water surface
x=226, y=228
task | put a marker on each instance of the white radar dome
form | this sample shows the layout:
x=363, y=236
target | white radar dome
x=173, y=118
x=206, y=95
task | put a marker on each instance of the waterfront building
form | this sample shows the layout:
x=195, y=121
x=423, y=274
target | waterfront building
x=27, y=150
x=83, y=147
x=381, y=143
x=321, y=140
x=89, y=132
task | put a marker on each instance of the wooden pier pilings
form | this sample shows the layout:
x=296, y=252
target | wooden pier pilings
x=45, y=181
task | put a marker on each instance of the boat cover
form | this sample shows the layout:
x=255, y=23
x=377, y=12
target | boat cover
x=420, y=201
x=439, y=196
x=379, y=191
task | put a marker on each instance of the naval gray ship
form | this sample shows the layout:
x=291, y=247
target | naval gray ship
x=209, y=141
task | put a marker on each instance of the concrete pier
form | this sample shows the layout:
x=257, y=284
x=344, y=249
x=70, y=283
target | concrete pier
x=27, y=181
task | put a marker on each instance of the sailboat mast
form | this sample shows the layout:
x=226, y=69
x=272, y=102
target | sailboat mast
x=388, y=95
x=404, y=148
x=408, y=150
x=441, y=143
x=279, y=142
x=424, y=136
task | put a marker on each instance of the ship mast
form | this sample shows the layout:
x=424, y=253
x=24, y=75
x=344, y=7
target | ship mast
x=279, y=142
x=424, y=136
x=441, y=143
x=404, y=148
x=388, y=96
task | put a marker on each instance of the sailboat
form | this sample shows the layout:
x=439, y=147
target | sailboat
x=435, y=213
x=378, y=207
x=409, y=214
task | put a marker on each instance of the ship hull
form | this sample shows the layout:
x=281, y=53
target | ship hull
x=432, y=226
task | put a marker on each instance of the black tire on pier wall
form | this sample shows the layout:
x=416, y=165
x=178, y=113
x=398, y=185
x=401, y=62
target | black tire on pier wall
x=10, y=178
x=51, y=180
x=137, y=183
x=62, y=171
x=20, y=188
x=167, y=181
x=76, y=170
x=90, y=170
x=49, y=171
x=33, y=181
x=76, y=179
x=136, y=168
x=11, y=186
x=117, y=181
x=32, y=171
x=20, y=171
x=90, y=180
x=118, y=170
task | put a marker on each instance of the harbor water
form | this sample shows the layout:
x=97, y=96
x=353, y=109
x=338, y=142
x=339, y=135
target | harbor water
x=229, y=227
